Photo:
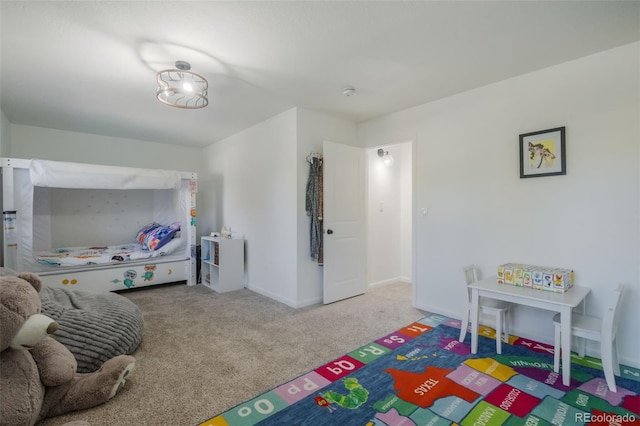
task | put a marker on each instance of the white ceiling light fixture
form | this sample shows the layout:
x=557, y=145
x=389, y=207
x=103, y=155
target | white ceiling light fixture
x=182, y=88
x=387, y=159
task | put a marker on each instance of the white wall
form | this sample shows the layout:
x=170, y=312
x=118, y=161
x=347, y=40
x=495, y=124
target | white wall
x=4, y=152
x=258, y=180
x=389, y=215
x=406, y=212
x=4, y=135
x=252, y=183
x=480, y=211
x=61, y=145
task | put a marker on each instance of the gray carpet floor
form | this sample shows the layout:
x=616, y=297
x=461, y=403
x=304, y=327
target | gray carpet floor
x=203, y=353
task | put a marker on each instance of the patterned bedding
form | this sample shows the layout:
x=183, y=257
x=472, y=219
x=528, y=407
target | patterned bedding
x=81, y=256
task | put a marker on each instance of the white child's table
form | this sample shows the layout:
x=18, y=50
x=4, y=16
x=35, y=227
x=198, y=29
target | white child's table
x=557, y=302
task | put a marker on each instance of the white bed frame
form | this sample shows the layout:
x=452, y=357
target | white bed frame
x=177, y=267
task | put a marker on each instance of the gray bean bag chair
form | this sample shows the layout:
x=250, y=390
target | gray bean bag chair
x=94, y=327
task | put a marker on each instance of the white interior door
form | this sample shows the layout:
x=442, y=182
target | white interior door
x=344, y=221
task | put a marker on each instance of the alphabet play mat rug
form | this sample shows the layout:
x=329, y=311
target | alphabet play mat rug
x=421, y=375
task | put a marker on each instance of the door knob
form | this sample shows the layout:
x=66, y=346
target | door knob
x=329, y=231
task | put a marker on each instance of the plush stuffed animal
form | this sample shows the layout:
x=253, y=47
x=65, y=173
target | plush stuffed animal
x=38, y=374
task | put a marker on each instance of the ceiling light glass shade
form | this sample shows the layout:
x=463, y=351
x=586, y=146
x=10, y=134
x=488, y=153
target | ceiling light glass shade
x=182, y=88
x=387, y=159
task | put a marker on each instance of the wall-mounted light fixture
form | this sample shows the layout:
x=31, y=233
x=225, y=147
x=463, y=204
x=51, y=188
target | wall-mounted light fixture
x=387, y=159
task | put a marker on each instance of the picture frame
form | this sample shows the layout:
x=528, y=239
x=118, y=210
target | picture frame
x=543, y=153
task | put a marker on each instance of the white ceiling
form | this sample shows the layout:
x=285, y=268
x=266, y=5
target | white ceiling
x=90, y=66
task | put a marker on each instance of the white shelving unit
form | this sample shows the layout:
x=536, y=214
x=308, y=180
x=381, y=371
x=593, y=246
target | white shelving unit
x=222, y=263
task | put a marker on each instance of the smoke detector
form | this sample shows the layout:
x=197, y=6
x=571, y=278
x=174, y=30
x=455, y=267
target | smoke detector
x=349, y=91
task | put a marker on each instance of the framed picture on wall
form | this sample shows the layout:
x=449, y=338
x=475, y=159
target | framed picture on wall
x=543, y=153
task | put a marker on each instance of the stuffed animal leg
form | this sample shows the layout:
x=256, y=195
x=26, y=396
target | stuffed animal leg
x=88, y=390
x=21, y=392
x=56, y=363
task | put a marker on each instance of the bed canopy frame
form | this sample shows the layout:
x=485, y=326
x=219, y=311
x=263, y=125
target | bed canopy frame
x=48, y=202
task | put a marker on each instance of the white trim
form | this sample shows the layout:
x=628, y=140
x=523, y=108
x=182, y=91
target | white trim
x=21, y=163
x=389, y=281
x=289, y=302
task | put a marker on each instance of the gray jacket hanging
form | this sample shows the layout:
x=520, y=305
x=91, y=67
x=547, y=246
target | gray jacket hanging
x=314, y=206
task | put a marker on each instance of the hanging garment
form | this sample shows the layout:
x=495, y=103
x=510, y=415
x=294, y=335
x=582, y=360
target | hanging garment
x=314, y=206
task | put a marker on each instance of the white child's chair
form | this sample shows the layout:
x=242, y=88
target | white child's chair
x=601, y=330
x=497, y=308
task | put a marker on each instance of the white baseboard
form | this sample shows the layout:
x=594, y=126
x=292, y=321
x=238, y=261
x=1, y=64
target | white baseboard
x=270, y=295
x=309, y=302
x=389, y=281
x=297, y=304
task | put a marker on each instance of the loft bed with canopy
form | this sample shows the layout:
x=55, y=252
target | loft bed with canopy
x=99, y=228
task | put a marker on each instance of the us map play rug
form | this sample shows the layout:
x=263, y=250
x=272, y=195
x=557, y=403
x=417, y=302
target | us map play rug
x=421, y=375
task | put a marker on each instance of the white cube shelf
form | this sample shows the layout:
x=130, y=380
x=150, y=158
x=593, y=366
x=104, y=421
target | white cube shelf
x=222, y=263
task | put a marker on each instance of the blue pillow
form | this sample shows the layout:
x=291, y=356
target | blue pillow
x=158, y=236
x=142, y=233
x=154, y=236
